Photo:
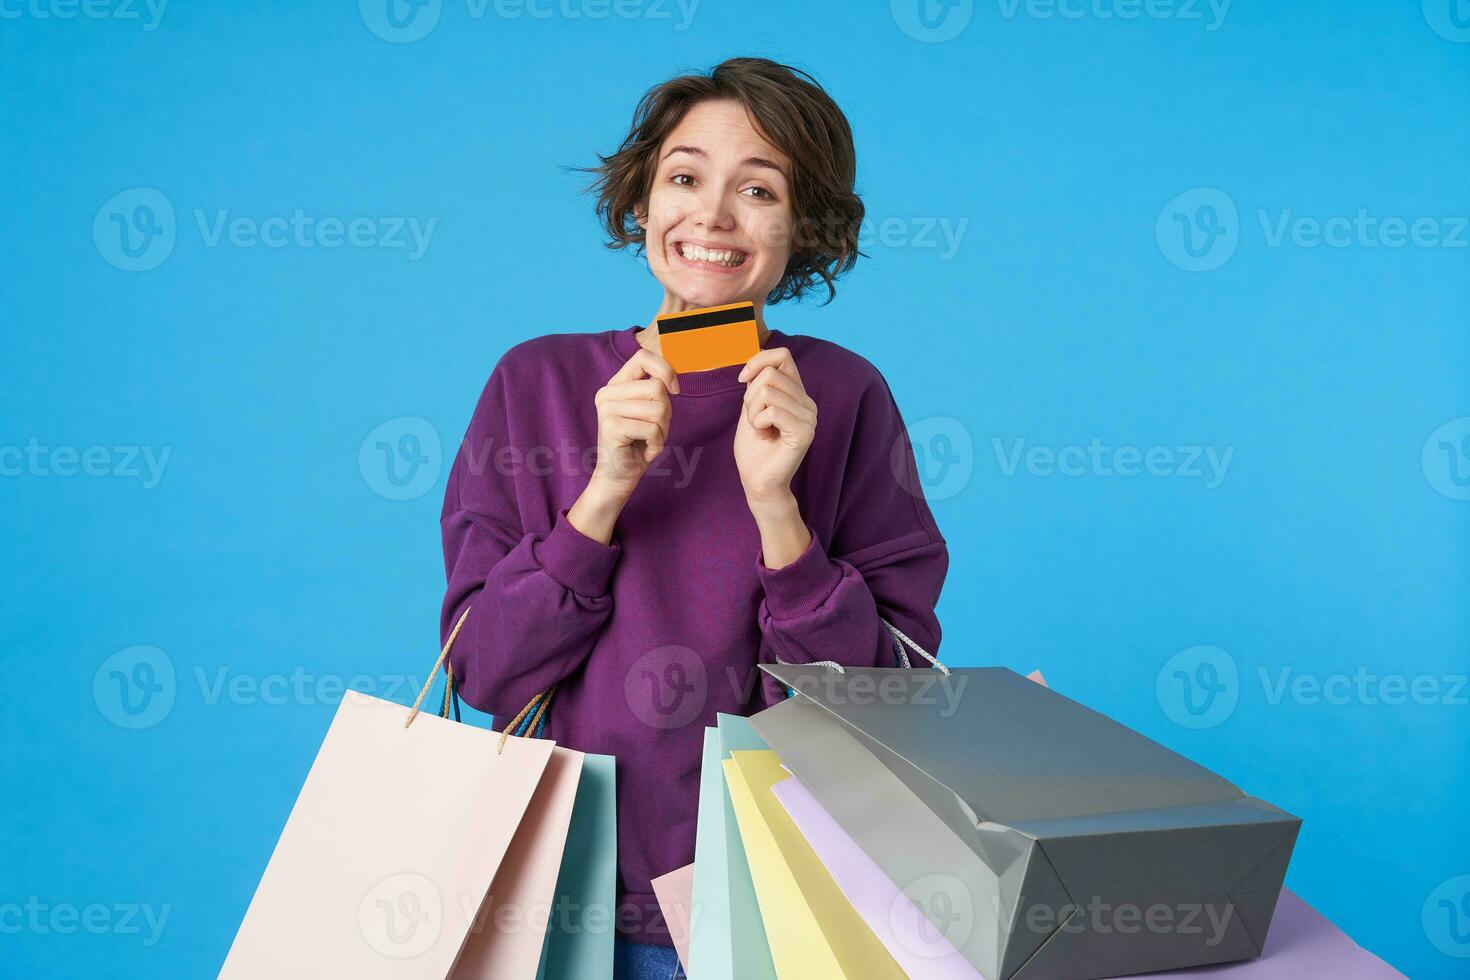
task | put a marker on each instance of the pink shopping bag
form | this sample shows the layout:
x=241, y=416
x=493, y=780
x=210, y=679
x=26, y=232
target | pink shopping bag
x=394, y=840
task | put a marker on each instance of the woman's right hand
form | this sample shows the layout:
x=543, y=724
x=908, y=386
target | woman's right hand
x=633, y=411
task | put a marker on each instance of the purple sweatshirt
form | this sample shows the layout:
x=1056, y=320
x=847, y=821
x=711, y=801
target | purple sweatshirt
x=648, y=637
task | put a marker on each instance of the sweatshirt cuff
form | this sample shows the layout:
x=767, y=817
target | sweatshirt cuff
x=802, y=586
x=574, y=560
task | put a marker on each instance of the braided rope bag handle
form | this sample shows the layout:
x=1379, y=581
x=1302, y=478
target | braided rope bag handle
x=537, y=704
x=899, y=639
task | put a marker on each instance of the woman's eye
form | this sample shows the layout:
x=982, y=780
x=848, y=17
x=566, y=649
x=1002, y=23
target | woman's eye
x=762, y=193
x=678, y=177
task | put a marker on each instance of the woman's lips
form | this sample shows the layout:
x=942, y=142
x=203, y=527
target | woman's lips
x=703, y=265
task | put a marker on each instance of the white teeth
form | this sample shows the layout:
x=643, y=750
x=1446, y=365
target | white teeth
x=725, y=257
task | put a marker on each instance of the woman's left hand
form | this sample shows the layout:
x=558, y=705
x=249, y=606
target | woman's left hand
x=777, y=423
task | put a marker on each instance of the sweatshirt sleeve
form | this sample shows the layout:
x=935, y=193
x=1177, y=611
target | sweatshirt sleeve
x=886, y=559
x=538, y=598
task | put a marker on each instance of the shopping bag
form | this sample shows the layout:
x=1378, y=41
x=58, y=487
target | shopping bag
x=674, y=892
x=390, y=848
x=580, y=942
x=1302, y=945
x=814, y=932
x=906, y=933
x=903, y=929
x=579, y=921
x=510, y=929
x=727, y=939
x=1016, y=818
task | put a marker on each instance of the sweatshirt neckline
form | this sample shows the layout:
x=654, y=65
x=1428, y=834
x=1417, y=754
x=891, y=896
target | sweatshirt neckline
x=625, y=342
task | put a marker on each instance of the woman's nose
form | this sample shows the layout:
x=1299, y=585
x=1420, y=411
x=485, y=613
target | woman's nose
x=715, y=209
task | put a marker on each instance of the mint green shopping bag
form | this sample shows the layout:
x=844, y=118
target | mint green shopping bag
x=727, y=940
x=579, y=934
x=579, y=939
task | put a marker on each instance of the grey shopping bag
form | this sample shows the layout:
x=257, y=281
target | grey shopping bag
x=1044, y=839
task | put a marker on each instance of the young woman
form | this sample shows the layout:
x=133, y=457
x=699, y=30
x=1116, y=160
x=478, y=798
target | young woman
x=642, y=539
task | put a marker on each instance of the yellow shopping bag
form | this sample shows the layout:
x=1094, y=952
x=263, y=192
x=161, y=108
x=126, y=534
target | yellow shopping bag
x=814, y=932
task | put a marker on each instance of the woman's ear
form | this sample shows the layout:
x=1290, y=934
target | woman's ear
x=640, y=214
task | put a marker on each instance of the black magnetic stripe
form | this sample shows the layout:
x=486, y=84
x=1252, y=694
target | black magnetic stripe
x=717, y=318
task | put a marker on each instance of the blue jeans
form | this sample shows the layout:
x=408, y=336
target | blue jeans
x=639, y=961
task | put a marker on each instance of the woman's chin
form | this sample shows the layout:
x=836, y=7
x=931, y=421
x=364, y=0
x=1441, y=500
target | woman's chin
x=698, y=296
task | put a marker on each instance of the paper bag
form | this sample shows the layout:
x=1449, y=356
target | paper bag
x=1027, y=826
x=389, y=850
x=727, y=939
x=813, y=930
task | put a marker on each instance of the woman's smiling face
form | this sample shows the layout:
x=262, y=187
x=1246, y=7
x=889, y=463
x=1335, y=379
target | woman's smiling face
x=719, y=211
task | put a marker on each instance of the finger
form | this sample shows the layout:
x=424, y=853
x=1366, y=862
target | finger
x=629, y=431
x=641, y=411
x=778, y=418
x=646, y=389
x=647, y=364
x=770, y=377
x=648, y=411
x=772, y=398
x=777, y=357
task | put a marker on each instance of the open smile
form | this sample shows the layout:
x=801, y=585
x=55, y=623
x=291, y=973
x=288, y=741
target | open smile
x=713, y=259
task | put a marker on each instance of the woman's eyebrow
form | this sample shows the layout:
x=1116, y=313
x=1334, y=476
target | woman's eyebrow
x=747, y=162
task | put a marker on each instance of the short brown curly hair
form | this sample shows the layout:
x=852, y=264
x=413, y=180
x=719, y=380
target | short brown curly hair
x=796, y=116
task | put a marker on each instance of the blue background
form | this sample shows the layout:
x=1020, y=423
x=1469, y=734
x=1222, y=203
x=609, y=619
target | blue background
x=1064, y=315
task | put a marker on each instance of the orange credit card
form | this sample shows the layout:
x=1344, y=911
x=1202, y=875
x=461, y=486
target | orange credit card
x=718, y=336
